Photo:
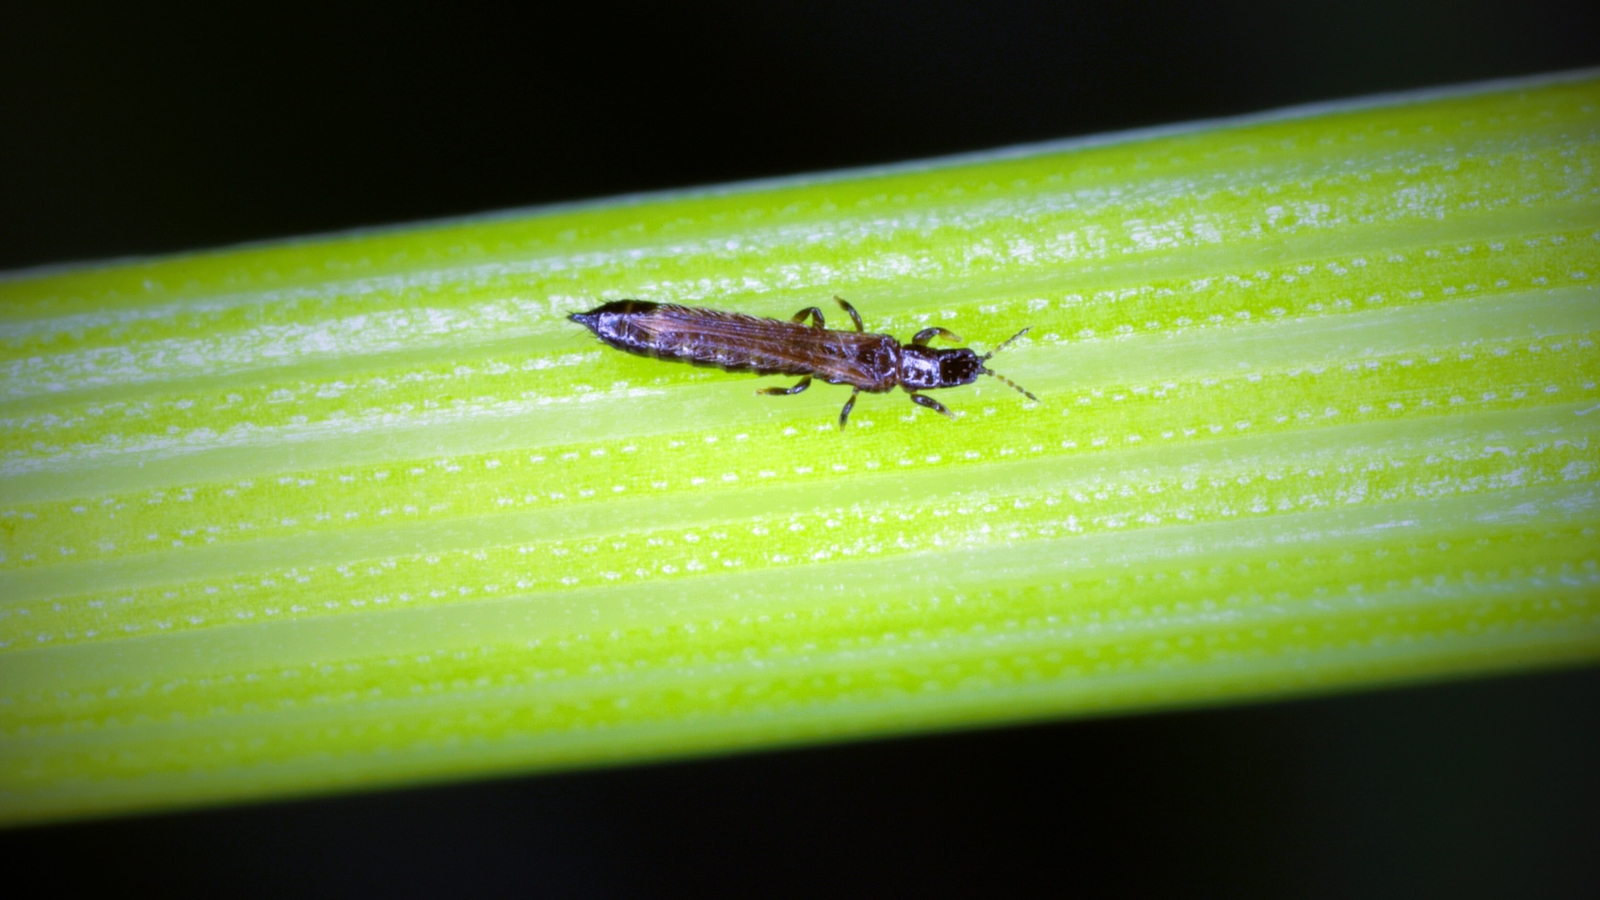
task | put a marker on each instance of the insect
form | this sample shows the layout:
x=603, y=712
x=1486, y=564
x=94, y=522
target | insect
x=874, y=363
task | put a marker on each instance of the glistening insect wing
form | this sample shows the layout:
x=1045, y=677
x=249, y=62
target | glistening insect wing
x=743, y=343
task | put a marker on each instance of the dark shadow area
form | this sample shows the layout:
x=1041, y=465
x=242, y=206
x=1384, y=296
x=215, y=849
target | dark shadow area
x=143, y=130
x=158, y=127
x=1483, y=789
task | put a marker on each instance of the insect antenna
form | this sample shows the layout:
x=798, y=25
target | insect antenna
x=1003, y=344
x=987, y=371
x=1014, y=386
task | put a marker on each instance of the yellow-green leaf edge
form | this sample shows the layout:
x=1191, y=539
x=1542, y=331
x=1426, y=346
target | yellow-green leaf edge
x=1319, y=412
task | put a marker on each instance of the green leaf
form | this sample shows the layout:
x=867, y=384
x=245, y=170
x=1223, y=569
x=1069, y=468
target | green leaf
x=1319, y=411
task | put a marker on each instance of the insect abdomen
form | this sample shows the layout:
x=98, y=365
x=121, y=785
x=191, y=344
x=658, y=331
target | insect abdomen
x=740, y=343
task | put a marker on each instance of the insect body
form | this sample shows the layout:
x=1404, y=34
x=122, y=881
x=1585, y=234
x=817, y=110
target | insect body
x=874, y=363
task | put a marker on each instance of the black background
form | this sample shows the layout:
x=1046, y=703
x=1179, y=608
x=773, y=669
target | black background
x=140, y=130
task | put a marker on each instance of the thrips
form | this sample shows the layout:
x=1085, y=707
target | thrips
x=874, y=363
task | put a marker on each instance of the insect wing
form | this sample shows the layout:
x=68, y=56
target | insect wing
x=736, y=341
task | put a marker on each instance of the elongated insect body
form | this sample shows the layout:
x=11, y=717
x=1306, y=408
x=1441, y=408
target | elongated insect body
x=741, y=343
x=874, y=363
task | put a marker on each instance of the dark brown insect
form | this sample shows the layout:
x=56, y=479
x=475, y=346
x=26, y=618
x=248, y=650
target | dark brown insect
x=867, y=362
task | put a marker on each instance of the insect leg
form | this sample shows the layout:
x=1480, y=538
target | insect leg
x=844, y=414
x=813, y=312
x=922, y=337
x=929, y=402
x=799, y=386
x=852, y=311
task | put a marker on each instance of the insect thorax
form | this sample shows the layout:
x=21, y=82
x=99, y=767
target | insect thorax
x=924, y=367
